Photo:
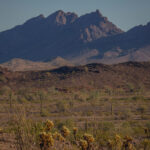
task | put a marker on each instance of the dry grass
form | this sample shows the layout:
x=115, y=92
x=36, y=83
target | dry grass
x=90, y=112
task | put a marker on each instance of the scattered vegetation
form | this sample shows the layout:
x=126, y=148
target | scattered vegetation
x=36, y=114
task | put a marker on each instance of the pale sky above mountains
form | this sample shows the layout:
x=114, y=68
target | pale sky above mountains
x=124, y=13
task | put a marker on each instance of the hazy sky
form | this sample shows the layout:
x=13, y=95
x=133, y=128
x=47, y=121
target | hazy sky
x=124, y=13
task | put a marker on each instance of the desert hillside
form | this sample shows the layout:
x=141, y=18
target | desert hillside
x=124, y=76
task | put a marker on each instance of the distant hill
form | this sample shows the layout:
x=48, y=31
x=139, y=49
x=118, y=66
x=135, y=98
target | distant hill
x=59, y=62
x=90, y=38
x=122, y=77
x=18, y=64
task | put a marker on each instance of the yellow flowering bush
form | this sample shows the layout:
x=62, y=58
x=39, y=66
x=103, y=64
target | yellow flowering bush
x=46, y=140
x=89, y=138
x=110, y=144
x=75, y=132
x=65, y=131
x=127, y=143
x=57, y=136
x=49, y=125
x=117, y=137
x=83, y=144
x=117, y=142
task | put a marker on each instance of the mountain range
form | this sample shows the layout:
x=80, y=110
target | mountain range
x=90, y=38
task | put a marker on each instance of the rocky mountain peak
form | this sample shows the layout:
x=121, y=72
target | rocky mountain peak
x=98, y=12
x=94, y=25
x=62, y=18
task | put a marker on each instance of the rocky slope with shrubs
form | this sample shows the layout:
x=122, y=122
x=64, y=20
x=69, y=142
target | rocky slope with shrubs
x=126, y=76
